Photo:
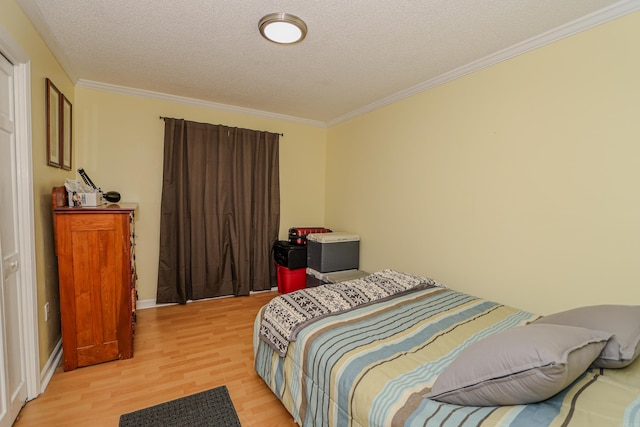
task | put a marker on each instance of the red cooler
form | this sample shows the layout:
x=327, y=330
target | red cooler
x=291, y=280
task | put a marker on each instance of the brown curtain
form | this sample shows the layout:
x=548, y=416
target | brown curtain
x=220, y=211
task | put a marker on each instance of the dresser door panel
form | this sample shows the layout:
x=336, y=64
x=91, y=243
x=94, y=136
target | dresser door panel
x=95, y=287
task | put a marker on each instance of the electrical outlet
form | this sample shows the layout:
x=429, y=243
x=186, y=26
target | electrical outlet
x=46, y=312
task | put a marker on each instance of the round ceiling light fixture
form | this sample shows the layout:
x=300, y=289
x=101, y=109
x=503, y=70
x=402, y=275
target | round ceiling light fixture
x=282, y=28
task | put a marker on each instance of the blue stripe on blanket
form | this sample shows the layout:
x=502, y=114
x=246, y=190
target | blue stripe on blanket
x=632, y=414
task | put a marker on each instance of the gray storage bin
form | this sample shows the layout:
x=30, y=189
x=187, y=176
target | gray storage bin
x=328, y=252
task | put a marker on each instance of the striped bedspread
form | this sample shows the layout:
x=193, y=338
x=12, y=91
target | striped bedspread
x=371, y=366
x=284, y=316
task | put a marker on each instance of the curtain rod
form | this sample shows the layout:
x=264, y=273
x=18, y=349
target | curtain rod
x=281, y=134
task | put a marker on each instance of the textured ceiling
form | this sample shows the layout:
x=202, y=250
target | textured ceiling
x=357, y=54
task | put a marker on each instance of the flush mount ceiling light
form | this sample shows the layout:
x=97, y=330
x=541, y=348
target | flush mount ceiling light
x=282, y=28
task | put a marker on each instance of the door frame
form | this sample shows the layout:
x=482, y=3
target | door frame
x=26, y=234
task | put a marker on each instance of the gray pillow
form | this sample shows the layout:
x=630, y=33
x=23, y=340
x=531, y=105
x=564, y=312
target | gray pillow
x=623, y=321
x=521, y=365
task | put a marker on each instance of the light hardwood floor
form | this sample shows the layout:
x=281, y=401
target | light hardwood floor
x=179, y=350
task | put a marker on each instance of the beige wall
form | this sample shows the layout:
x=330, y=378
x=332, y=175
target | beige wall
x=43, y=65
x=518, y=183
x=122, y=149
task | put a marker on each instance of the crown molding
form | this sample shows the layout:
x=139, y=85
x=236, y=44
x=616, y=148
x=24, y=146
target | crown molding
x=602, y=16
x=589, y=21
x=34, y=14
x=124, y=90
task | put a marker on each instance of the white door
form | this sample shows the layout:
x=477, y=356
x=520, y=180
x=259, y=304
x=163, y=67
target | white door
x=13, y=387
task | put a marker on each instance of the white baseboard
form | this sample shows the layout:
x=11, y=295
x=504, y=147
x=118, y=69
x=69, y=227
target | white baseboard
x=147, y=303
x=150, y=303
x=50, y=368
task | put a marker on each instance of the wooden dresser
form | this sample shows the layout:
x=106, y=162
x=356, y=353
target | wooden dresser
x=96, y=268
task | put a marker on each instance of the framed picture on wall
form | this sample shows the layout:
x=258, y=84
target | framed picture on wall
x=53, y=124
x=66, y=118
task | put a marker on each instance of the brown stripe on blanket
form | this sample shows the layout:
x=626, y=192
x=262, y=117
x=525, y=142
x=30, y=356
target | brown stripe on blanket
x=466, y=417
x=410, y=406
x=312, y=338
x=575, y=399
x=415, y=400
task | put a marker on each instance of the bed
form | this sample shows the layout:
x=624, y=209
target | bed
x=376, y=359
